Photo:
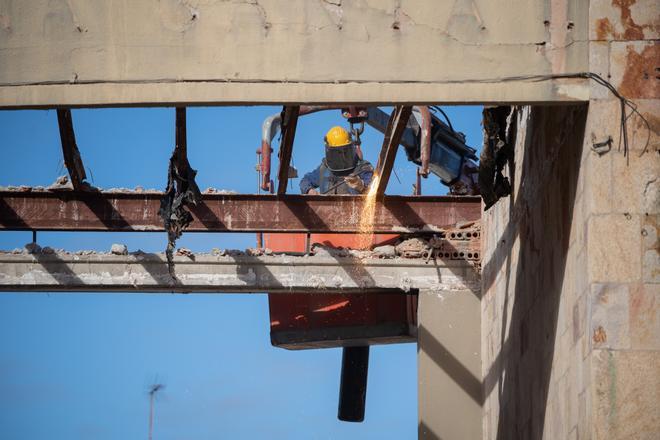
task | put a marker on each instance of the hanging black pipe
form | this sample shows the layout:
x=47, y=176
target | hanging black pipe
x=353, y=385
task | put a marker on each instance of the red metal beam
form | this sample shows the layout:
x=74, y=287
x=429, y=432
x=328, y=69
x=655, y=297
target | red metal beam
x=395, y=127
x=138, y=211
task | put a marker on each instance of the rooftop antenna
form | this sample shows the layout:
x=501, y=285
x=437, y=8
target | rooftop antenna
x=153, y=389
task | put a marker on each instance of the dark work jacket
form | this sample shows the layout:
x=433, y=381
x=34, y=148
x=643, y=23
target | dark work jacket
x=322, y=178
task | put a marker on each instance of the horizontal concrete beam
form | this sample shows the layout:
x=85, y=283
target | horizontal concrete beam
x=138, y=211
x=146, y=52
x=189, y=94
x=66, y=272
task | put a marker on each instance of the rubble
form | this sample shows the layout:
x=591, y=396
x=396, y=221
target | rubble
x=218, y=252
x=119, y=249
x=211, y=190
x=328, y=251
x=254, y=252
x=33, y=248
x=184, y=252
x=61, y=182
x=413, y=248
x=387, y=251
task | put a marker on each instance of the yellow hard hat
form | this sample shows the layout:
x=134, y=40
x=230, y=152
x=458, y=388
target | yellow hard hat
x=337, y=137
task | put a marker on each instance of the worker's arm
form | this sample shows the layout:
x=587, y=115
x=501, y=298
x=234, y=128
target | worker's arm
x=310, y=181
x=362, y=179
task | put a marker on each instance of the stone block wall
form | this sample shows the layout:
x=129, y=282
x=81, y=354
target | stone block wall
x=571, y=270
x=535, y=298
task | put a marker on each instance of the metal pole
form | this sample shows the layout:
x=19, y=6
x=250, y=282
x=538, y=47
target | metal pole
x=353, y=385
x=151, y=415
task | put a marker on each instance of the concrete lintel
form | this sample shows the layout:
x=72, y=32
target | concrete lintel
x=269, y=93
x=242, y=273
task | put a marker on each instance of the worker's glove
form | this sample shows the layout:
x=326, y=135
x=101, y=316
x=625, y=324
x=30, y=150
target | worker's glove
x=355, y=182
x=312, y=191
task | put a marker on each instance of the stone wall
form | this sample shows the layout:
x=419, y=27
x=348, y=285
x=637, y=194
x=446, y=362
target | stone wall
x=571, y=273
x=535, y=348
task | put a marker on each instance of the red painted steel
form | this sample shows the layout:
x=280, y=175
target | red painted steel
x=302, y=321
x=138, y=211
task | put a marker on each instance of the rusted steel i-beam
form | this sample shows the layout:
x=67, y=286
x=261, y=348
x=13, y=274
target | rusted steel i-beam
x=138, y=211
x=72, y=159
x=289, y=123
x=395, y=127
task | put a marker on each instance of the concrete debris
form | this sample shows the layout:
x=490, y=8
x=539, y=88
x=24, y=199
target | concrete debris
x=218, y=252
x=256, y=252
x=387, y=251
x=183, y=252
x=33, y=248
x=61, y=182
x=413, y=248
x=218, y=191
x=234, y=252
x=119, y=249
x=328, y=251
x=88, y=252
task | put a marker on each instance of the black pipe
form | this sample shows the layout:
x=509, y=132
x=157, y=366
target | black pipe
x=353, y=385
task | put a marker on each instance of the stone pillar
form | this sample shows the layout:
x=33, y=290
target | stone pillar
x=449, y=365
x=622, y=208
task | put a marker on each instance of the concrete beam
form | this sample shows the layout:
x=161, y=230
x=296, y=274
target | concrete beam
x=67, y=272
x=138, y=211
x=78, y=53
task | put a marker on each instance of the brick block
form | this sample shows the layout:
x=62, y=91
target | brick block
x=632, y=68
x=635, y=183
x=579, y=318
x=610, y=316
x=651, y=266
x=623, y=20
x=599, y=63
x=644, y=317
x=651, y=248
x=626, y=395
x=614, y=248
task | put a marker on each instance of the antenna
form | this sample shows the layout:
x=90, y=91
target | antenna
x=153, y=389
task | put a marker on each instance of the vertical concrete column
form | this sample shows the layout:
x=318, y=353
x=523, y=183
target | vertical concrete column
x=449, y=365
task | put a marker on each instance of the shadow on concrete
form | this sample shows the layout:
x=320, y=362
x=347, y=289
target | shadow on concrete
x=443, y=358
x=541, y=219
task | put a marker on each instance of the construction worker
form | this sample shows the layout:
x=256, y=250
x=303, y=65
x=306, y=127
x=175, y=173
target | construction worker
x=342, y=171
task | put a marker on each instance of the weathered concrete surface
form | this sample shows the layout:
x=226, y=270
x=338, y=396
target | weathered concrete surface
x=240, y=273
x=76, y=52
x=450, y=389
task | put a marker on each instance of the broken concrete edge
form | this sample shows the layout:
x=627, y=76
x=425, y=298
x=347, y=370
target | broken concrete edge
x=232, y=256
x=208, y=273
x=62, y=184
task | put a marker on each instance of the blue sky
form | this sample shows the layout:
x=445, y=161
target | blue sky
x=78, y=366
